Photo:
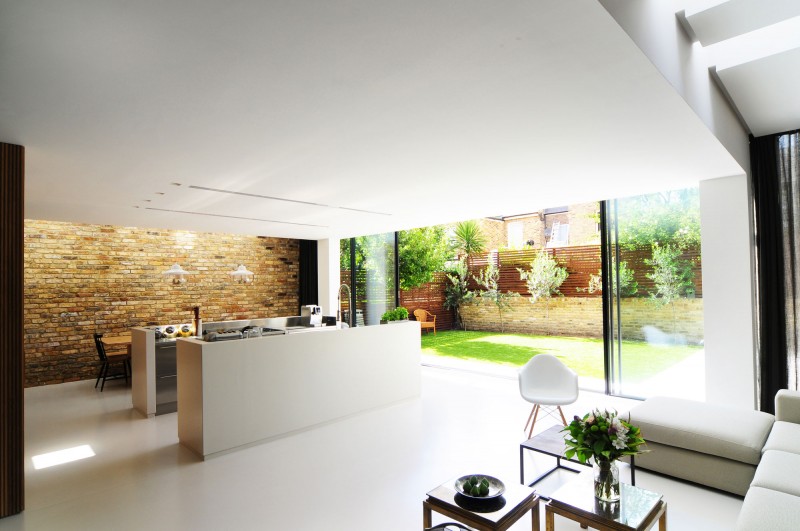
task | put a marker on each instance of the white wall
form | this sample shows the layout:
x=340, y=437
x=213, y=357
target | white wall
x=328, y=275
x=724, y=203
x=655, y=29
x=727, y=291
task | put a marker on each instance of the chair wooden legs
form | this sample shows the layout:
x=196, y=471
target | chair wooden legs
x=100, y=374
x=563, y=418
x=126, y=370
x=535, y=413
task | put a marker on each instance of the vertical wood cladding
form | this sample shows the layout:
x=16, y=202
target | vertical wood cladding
x=12, y=203
x=81, y=279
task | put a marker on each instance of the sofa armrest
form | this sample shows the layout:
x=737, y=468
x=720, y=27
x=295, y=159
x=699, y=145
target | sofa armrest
x=787, y=406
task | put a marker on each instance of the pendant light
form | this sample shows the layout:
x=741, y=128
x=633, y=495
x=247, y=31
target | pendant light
x=177, y=273
x=242, y=275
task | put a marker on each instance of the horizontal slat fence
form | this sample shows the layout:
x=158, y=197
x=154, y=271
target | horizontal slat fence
x=581, y=262
x=430, y=297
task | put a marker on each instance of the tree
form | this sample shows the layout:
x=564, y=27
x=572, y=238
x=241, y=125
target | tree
x=626, y=287
x=468, y=239
x=671, y=275
x=544, y=278
x=671, y=217
x=488, y=278
x=457, y=291
x=422, y=252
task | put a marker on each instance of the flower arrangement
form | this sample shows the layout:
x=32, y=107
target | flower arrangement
x=602, y=435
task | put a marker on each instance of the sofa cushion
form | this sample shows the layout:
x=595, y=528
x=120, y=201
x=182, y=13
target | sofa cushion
x=702, y=427
x=785, y=436
x=766, y=509
x=787, y=406
x=778, y=471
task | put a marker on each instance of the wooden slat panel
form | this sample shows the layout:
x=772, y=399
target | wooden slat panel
x=12, y=181
x=581, y=262
x=430, y=297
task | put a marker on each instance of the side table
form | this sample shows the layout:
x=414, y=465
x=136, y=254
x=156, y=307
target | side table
x=497, y=514
x=551, y=442
x=637, y=510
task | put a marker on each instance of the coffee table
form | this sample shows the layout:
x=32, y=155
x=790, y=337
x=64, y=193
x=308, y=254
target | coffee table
x=551, y=442
x=637, y=510
x=495, y=514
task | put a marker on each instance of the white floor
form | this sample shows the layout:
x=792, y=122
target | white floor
x=367, y=472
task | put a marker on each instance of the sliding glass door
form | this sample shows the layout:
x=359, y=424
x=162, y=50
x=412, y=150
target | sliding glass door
x=369, y=267
x=652, y=292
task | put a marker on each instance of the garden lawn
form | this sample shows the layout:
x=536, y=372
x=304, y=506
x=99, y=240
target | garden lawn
x=583, y=355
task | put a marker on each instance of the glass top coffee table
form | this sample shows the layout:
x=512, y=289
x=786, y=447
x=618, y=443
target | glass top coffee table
x=637, y=510
x=495, y=514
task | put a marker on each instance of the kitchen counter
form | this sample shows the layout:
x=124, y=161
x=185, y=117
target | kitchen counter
x=234, y=394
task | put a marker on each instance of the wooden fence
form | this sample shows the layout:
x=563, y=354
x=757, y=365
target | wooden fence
x=581, y=263
x=429, y=297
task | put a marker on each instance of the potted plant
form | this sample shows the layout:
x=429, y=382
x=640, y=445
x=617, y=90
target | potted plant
x=603, y=437
x=394, y=316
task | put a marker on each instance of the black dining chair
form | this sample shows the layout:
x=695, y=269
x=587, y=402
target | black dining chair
x=108, y=361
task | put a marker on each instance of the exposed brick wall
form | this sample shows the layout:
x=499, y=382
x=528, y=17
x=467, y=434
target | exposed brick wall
x=495, y=233
x=583, y=317
x=85, y=278
x=583, y=224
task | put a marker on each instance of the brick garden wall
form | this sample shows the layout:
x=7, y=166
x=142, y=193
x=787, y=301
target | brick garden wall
x=85, y=278
x=582, y=317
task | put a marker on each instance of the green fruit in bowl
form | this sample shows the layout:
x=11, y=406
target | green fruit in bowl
x=476, y=491
x=484, y=489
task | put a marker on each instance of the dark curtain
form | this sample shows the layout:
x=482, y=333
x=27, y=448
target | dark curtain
x=776, y=209
x=308, y=290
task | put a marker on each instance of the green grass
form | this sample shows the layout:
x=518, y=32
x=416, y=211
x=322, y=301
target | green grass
x=585, y=356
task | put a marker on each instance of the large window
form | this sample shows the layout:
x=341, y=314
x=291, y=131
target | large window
x=654, y=307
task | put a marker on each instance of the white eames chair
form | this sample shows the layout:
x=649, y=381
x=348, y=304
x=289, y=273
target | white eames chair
x=546, y=382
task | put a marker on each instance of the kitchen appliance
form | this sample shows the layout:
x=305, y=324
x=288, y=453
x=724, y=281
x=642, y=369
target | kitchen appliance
x=311, y=315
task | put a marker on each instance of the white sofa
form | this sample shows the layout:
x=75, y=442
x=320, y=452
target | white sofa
x=749, y=453
x=773, y=500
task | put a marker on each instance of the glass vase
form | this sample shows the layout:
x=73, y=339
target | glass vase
x=606, y=480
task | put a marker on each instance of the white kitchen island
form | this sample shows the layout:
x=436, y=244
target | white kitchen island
x=234, y=394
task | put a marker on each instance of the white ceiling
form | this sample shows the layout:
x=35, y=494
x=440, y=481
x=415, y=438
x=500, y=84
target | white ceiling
x=317, y=119
x=754, y=50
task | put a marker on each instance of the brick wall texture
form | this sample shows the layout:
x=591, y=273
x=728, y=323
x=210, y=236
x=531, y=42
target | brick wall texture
x=583, y=317
x=81, y=279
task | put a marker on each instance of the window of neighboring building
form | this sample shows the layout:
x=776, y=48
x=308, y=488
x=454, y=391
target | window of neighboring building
x=515, y=238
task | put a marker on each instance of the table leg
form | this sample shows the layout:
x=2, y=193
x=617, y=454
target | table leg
x=549, y=519
x=426, y=515
x=521, y=469
x=662, y=522
x=535, y=517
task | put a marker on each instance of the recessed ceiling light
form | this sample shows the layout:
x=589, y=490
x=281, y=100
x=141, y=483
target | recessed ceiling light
x=60, y=457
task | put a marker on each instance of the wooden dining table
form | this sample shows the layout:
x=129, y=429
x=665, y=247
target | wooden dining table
x=113, y=342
